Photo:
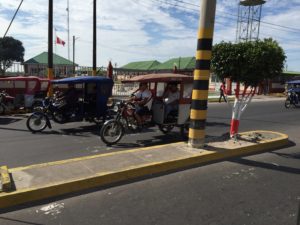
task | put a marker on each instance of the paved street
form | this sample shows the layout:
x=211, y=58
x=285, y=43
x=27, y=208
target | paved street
x=19, y=147
x=260, y=189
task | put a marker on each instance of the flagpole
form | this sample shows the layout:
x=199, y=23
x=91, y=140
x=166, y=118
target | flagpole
x=55, y=40
x=68, y=21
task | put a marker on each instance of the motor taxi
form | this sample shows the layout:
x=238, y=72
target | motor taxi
x=293, y=92
x=27, y=91
x=93, y=94
x=125, y=121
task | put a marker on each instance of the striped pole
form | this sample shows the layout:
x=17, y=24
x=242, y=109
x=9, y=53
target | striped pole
x=50, y=46
x=201, y=74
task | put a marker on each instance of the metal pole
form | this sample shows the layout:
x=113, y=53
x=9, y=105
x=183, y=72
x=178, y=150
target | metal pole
x=68, y=21
x=73, y=55
x=202, y=74
x=13, y=18
x=94, y=39
x=50, y=45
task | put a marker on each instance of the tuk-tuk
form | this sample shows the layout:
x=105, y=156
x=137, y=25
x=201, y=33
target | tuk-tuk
x=293, y=94
x=125, y=120
x=25, y=90
x=93, y=94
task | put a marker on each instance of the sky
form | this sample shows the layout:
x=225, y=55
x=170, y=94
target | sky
x=140, y=30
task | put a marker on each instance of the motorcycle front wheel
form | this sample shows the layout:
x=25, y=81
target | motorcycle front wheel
x=111, y=132
x=36, y=122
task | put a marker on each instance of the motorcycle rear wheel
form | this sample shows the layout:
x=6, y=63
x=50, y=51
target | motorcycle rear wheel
x=111, y=132
x=165, y=128
x=36, y=122
x=2, y=109
x=287, y=103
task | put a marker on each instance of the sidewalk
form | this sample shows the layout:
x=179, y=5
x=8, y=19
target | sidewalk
x=42, y=181
x=256, y=98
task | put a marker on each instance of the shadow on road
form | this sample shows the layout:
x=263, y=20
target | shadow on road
x=19, y=221
x=8, y=120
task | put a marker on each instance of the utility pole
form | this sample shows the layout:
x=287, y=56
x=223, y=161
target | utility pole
x=94, y=38
x=74, y=39
x=73, y=55
x=50, y=45
x=201, y=74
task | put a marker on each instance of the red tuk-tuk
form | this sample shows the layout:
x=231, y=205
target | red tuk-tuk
x=25, y=90
x=125, y=120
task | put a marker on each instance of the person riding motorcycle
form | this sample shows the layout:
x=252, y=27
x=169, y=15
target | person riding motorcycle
x=171, y=98
x=69, y=99
x=142, y=99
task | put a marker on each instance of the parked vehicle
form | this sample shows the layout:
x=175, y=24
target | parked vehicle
x=6, y=102
x=293, y=92
x=113, y=130
x=93, y=93
x=27, y=91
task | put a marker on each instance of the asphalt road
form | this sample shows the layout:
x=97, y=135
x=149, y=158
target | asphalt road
x=19, y=147
x=260, y=189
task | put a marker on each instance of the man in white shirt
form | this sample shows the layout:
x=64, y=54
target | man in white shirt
x=143, y=102
x=171, y=99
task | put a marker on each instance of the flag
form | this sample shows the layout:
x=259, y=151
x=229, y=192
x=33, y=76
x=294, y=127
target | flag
x=60, y=41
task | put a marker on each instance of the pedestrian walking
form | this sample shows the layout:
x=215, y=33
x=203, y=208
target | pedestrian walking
x=222, y=91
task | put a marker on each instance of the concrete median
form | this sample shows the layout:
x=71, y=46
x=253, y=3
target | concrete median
x=42, y=181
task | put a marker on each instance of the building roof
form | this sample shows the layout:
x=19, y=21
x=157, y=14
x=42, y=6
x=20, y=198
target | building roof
x=182, y=63
x=161, y=77
x=290, y=73
x=141, y=65
x=43, y=59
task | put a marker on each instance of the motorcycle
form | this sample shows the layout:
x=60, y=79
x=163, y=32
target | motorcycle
x=124, y=122
x=292, y=99
x=6, y=102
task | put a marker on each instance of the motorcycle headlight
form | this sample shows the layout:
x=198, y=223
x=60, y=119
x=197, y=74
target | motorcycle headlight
x=116, y=108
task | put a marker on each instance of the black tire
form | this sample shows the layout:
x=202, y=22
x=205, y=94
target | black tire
x=165, y=128
x=287, y=103
x=106, y=132
x=184, y=130
x=36, y=122
x=2, y=109
x=58, y=117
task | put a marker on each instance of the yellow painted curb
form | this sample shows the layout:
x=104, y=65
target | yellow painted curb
x=5, y=178
x=56, y=189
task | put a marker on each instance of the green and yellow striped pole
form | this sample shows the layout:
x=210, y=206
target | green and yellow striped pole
x=201, y=74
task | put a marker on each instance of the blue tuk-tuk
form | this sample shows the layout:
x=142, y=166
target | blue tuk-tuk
x=293, y=94
x=92, y=94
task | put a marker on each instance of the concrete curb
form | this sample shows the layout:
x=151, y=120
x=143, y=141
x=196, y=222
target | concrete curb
x=5, y=179
x=57, y=189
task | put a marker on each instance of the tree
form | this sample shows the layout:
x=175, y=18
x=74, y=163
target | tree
x=10, y=50
x=247, y=63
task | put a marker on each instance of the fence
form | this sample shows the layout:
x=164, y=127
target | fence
x=124, y=89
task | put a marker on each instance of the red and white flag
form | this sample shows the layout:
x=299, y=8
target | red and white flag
x=60, y=41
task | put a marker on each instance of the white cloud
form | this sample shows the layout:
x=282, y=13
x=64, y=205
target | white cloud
x=121, y=33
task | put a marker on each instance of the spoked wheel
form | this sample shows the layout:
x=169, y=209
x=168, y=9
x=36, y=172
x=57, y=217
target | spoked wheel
x=184, y=130
x=36, y=122
x=287, y=103
x=111, y=132
x=2, y=109
x=165, y=128
x=59, y=117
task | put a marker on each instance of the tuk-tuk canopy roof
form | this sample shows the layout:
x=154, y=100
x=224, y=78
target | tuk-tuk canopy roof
x=83, y=79
x=21, y=78
x=294, y=82
x=161, y=77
